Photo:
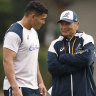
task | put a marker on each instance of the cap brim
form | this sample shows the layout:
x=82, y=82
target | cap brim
x=67, y=20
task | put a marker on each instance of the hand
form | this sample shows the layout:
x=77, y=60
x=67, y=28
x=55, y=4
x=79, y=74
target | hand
x=16, y=92
x=42, y=89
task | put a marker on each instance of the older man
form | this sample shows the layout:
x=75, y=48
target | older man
x=70, y=59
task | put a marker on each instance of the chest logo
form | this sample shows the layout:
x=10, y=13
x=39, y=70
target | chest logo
x=61, y=49
x=78, y=47
x=27, y=37
x=33, y=47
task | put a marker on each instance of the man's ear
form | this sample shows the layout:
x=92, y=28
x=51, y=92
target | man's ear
x=78, y=23
x=32, y=15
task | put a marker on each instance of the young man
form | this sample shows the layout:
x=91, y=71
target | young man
x=70, y=59
x=20, y=54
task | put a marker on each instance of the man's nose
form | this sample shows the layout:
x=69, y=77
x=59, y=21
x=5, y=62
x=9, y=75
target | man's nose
x=43, y=22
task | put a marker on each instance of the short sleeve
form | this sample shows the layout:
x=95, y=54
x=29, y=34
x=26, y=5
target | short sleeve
x=12, y=41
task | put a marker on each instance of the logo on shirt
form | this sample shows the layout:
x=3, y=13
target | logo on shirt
x=33, y=47
x=78, y=47
x=61, y=49
x=27, y=37
x=81, y=51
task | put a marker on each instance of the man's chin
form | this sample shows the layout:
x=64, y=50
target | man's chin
x=65, y=35
x=37, y=28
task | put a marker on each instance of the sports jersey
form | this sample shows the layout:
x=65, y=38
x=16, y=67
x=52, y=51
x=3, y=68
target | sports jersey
x=26, y=48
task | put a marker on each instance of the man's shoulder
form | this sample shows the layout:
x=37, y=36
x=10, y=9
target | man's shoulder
x=82, y=34
x=57, y=40
x=16, y=28
x=54, y=43
x=86, y=37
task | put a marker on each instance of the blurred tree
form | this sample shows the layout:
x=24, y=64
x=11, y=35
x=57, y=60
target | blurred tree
x=5, y=10
x=18, y=8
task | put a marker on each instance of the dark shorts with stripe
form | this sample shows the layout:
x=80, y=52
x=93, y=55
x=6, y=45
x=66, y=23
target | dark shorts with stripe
x=25, y=92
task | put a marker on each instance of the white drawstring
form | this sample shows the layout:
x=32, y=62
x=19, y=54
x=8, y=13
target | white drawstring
x=71, y=85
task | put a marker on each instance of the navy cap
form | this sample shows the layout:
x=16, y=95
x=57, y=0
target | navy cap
x=68, y=16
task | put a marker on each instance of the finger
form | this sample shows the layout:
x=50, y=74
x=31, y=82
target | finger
x=41, y=94
x=44, y=92
x=41, y=91
x=12, y=93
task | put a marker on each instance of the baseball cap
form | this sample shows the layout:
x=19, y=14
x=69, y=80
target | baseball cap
x=68, y=16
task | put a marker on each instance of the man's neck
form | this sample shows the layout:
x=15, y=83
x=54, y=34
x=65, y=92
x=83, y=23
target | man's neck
x=26, y=23
x=71, y=36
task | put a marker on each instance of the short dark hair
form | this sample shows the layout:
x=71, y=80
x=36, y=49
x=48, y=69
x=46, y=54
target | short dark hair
x=35, y=6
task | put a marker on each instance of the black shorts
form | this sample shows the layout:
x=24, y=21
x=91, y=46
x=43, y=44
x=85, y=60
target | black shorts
x=25, y=92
